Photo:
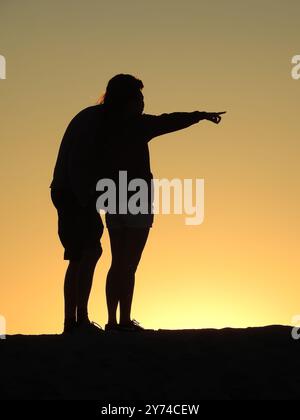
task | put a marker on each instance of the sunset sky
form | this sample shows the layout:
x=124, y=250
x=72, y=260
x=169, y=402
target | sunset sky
x=241, y=266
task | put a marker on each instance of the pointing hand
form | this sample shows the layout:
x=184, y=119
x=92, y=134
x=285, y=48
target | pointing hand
x=214, y=117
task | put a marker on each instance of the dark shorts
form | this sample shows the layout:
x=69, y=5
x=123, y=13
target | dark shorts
x=79, y=228
x=119, y=221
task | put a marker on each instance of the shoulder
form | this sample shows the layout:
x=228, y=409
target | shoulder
x=84, y=118
x=88, y=113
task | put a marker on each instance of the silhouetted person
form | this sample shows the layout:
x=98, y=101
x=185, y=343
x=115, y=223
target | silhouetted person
x=79, y=224
x=123, y=146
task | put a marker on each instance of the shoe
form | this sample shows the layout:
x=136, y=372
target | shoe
x=111, y=327
x=69, y=331
x=132, y=326
x=89, y=328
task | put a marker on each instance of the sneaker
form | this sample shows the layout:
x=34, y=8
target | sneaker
x=111, y=327
x=90, y=328
x=131, y=326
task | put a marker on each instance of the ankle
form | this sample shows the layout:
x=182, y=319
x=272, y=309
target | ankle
x=82, y=316
x=112, y=322
x=70, y=324
x=125, y=321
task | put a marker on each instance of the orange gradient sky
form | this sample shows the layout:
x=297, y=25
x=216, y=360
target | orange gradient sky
x=241, y=266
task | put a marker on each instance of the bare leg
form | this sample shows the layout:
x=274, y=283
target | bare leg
x=70, y=294
x=112, y=281
x=77, y=287
x=86, y=270
x=112, y=295
x=135, y=243
x=126, y=295
x=127, y=246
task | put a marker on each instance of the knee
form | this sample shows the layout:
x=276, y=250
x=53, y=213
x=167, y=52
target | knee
x=121, y=269
x=130, y=269
x=97, y=253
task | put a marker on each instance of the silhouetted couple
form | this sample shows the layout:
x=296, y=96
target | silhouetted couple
x=99, y=142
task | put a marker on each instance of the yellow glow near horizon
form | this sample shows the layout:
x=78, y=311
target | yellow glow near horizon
x=241, y=266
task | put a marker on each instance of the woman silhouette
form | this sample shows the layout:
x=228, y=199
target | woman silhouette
x=125, y=134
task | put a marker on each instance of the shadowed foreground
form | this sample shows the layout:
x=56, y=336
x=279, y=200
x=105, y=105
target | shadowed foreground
x=255, y=363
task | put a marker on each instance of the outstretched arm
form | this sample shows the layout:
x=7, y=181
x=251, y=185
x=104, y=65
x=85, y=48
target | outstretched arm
x=157, y=125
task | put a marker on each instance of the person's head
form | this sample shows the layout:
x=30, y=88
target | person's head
x=124, y=94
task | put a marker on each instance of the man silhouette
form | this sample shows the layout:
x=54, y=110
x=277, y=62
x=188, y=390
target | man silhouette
x=79, y=224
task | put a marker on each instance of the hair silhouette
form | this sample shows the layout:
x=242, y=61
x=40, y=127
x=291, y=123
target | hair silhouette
x=120, y=90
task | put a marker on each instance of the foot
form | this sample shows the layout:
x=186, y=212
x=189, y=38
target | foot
x=70, y=327
x=130, y=326
x=111, y=326
x=88, y=327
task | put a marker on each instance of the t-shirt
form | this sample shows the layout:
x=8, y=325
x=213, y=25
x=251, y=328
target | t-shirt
x=98, y=144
